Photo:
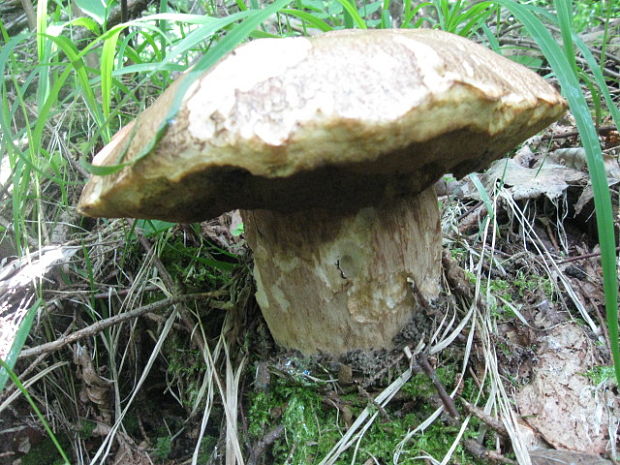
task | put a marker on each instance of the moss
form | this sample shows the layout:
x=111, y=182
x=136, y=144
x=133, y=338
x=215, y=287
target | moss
x=185, y=367
x=131, y=423
x=505, y=296
x=163, y=447
x=420, y=386
x=198, y=268
x=45, y=453
x=529, y=283
x=312, y=425
x=601, y=374
x=86, y=428
x=207, y=446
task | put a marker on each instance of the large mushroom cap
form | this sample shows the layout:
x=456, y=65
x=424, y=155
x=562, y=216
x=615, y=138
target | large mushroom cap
x=288, y=124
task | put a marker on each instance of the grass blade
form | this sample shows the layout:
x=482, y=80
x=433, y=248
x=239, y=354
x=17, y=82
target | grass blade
x=36, y=410
x=5, y=54
x=599, y=79
x=44, y=48
x=309, y=19
x=602, y=200
x=18, y=343
x=77, y=61
x=352, y=16
x=105, y=69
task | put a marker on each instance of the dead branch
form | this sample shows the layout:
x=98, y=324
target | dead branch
x=259, y=448
x=99, y=326
x=448, y=402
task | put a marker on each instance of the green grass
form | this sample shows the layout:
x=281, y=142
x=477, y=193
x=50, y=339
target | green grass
x=459, y=17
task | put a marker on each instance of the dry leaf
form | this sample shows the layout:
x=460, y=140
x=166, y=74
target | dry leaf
x=549, y=179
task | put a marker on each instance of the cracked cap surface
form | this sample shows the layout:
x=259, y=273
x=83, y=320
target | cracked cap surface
x=330, y=121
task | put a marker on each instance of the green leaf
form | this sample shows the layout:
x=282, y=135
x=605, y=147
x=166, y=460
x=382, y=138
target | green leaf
x=526, y=60
x=104, y=170
x=94, y=8
x=599, y=79
x=352, y=17
x=5, y=54
x=43, y=52
x=410, y=13
x=308, y=18
x=86, y=22
x=153, y=227
x=386, y=16
x=206, y=30
x=77, y=62
x=217, y=264
x=484, y=195
x=105, y=69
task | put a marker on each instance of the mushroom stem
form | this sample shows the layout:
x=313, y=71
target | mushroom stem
x=336, y=282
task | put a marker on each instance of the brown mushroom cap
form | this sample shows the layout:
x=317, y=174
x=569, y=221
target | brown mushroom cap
x=329, y=121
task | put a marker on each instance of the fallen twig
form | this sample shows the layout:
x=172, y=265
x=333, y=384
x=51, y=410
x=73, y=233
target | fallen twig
x=566, y=135
x=114, y=320
x=583, y=257
x=268, y=439
x=479, y=451
x=448, y=402
x=492, y=423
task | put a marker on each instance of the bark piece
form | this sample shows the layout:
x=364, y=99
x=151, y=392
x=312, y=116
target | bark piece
x=562, y=403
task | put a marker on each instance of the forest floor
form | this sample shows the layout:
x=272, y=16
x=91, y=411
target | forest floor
x=143, y=344
x=513, y=352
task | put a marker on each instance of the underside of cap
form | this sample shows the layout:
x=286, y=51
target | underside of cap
x=335, y=122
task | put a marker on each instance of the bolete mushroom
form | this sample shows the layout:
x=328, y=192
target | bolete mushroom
x=330, y=146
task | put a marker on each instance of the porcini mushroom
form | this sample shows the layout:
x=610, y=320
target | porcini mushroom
x=330, y=146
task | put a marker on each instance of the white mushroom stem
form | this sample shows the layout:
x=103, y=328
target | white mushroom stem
x=335, y=282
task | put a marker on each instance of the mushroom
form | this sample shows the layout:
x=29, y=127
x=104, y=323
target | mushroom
x=330, y=147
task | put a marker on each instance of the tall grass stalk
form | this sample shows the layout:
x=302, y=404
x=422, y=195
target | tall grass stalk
x=562, y=61
x=18, y=342
x=5, y=367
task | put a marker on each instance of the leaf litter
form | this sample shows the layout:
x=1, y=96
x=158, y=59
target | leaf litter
x=553, y=356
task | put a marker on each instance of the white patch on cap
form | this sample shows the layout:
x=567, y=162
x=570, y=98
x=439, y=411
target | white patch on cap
x=240, y=71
